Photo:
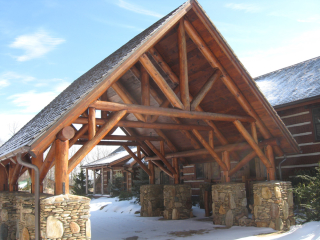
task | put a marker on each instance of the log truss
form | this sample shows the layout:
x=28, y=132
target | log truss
x=165, y=104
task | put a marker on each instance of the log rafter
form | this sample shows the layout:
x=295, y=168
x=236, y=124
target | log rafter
x=210, y=150
x=252, y=143
x=172, y=76
x=85, y=149
x=138, y=160
x=228, y=82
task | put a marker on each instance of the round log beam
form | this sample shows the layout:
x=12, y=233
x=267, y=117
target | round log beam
x=66, y=133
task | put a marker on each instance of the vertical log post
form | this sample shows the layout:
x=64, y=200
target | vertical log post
x=94, y=181
x=271, y=171
x=226, y=160
x=92, y=123
x=87, y=181
x=176, y=168
x=102, y=192
x=211, y=139
x=38, y=161
x=62, y=157
x=11, y=170
x=151, y=169
x=184, y=83
x=206, y=204
x=3, y=179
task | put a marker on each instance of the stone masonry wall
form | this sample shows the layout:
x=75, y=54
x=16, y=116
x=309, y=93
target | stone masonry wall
x=229, y=203
x=66, y=215
x=273, y=205
x=151, y=200
x=8, y=215
x=177, y=201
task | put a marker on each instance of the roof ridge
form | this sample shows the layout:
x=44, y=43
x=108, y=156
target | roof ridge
x=311, y=59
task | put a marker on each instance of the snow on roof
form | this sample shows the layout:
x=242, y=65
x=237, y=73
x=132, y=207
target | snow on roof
x=291, y=84
x=117, y=154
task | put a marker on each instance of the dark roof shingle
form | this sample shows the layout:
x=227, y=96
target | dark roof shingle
x=65, y=101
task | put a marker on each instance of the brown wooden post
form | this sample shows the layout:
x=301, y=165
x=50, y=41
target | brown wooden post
x=92, y=122
x=94, y=181
x=206, y=204
x=87, y=181
x=61, y=160
x=176, y=168
x=11, y=170
x=38, y=161
x=61, y=167
x=151, y=169
x=226, y=160
x=101, y=175
x=271, y=171
x=3, y=179
x=211, y=139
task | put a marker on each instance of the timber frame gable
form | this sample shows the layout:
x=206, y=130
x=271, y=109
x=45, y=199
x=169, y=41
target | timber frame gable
x=178, y=92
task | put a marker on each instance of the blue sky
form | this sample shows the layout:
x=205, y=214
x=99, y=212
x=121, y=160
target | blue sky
x=45, y=45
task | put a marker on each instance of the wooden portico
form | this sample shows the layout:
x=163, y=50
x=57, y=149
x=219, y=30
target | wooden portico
x=177, y=91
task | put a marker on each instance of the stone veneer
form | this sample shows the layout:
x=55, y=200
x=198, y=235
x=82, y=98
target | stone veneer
x=151, y=200
x=177, y=201
x=67, y=216
x=273, y=205
x=229, y=203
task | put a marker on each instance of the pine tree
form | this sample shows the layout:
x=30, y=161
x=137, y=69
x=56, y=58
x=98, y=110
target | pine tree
x=143, y=180
x=307, y=195
x=79, y=184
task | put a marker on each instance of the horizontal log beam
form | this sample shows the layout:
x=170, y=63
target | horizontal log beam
x=128, y=138
x=229, y=148
x=110, y=143
x=135, y=124
x=169, y=112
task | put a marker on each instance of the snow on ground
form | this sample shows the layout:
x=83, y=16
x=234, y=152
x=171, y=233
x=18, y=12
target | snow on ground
x=111, y=219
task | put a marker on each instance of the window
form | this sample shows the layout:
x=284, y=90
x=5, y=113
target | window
x=200, y=171
x=316, y=123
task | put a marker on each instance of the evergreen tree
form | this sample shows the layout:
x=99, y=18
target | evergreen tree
x=307, y=194
x=80, y=184
x=143, y=180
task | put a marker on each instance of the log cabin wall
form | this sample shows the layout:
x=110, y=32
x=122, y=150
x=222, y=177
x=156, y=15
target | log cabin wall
x=298, y=120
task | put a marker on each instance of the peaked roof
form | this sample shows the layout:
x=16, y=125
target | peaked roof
x=163, y=37
x=119, y=153
x=292, y=84
x=73, y=94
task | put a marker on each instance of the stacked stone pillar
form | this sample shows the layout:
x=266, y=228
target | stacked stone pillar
x=273, y=205
x=151, y=200
x=229, y=203
x=177, y=202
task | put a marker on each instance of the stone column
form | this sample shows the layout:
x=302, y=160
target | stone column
x=177, y=201
x=151, y=200
x=273, y=205
x=229, y=203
